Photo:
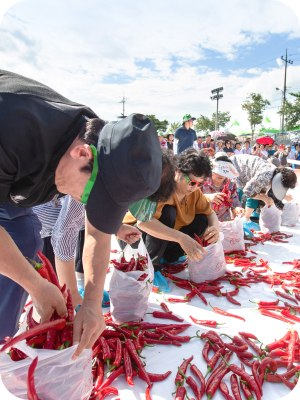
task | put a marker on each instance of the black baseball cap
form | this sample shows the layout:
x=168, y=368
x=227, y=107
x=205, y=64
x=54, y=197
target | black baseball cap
x=129, y=170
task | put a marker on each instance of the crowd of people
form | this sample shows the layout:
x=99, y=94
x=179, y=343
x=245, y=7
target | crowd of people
x=68, y=181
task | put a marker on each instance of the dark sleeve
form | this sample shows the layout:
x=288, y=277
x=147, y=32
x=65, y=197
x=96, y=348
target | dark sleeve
x=195, y=136
x=177, y=134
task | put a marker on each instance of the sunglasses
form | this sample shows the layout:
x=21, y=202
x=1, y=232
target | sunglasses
x=193, y=182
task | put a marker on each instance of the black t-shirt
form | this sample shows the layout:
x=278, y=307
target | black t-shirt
x=226, y=150
x=37, y=126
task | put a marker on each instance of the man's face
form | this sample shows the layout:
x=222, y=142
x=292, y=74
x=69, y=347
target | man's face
x=275, y=147
x=208, y=139
x=238, y=146
x=267, y=147
x=246, y=145
x=199, y=141
x=160, y=138
x=228, y=145
x=289, y=149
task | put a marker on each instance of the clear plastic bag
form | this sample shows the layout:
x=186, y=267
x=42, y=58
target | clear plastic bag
x=211, y=266
x=233, y=232
x=290, y=214
x=270, y=219
x=129, y=297
x=56, y=376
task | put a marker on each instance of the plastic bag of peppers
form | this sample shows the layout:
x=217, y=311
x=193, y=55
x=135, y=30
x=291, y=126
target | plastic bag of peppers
x=37, y=363
x=131, y=284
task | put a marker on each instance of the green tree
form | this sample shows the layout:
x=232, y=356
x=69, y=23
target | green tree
x=291, y=111
x=159, y=125
x=208, y=124
x=255, y=105
x=175, y=125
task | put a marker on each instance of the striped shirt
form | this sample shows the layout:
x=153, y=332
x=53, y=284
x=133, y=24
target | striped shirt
x=63, y=227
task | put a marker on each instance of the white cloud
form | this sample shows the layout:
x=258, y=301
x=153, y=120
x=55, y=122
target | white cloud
x=75, y=46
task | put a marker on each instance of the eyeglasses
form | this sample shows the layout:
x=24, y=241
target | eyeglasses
x=193, y=182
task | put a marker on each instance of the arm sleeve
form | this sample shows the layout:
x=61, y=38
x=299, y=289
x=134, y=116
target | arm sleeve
x=194, y=136
x=177, y=134
x=235, y=196
x=70, y=221
x=203, y=205
x=256, y=184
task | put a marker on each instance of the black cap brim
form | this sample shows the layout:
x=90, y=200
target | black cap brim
x=101, y=211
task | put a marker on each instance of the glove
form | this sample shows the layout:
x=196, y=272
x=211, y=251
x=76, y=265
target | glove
x=250, y=225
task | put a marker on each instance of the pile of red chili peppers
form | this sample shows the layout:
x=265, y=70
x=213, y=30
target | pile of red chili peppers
x=135, y=264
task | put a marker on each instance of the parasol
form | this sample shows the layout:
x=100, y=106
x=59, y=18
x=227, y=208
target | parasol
x=228, y=136
x=296, y=139
x=265, y=140
x=217, y=134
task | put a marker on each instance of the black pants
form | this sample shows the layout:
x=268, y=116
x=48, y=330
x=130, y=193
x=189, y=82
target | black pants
x=48, y=250
x=170, y=251
x=79, y=252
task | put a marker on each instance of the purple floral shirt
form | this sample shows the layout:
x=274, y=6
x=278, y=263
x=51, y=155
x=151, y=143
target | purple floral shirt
x=224, y=213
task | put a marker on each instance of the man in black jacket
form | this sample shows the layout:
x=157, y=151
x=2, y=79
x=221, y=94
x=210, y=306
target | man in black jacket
x=45, y=152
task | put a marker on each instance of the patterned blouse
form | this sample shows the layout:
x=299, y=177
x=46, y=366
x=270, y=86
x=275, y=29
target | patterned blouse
x=224, y=213
x=255, y=174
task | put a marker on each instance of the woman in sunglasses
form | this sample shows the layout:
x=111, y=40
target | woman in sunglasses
x=170, y=233
x=212, y=188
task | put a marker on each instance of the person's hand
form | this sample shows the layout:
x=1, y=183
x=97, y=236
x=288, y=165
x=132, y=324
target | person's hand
x=212, y=234
x=191, y=247
x=88, y=326
x=76, y=298
x=129, y=234
x=288, y=197
x=239, y=211
x=216, y=197
x=47, y=298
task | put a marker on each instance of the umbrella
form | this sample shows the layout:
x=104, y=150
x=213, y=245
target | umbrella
x=296, y=139
x=228, y=136
x=217, y=134
x=265, y=140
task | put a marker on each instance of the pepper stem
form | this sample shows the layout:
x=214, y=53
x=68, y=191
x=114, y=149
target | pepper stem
x=212, y=308
x=223, y=334
x=181, y=373
x=228, y=365
x=253, y=302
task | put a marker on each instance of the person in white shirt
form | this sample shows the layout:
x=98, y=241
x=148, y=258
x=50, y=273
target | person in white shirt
x=237, y=149
x=264, y=151
x=246, y=149
x=198, y=143
x=219, y=145
x=291, y=154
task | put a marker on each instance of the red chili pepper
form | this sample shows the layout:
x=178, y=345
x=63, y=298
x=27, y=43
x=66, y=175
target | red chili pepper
x=273, y=315
x=291, y=348
x=183, y=367
x=199, y=375
x=67, y=333
x=246, y=377
x=235, y=387
x=112, y=377
x=177, y=331
x=222, y=312
x=232, y=300
x=106, y=392
x=137, y=359
x=165, y=315
x=148, y=341
x=36, y=340
x=205, y=350
x=213, y=361
x=272, y=365
x=286, y=296
x=255, y=366
x=266, y=303
x=118, y=357
x=253, y=345
x=289, y=315
x=167, y=327
x=205, y=322
x=30, y=321
x=290, y=385
x=155, y=377
x=57, y=324
x=238, y=345
x=127, y=366
x=31, y=391
x=214, y=384
x=50, y=269
x=100, y=374
x=41, y=269
x=181, y=339
x=192, y=384
x=225, y=392
x=213, y=337
x=180, y=393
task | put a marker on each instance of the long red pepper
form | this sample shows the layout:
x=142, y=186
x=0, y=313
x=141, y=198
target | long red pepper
x=183, y=367
x=41, y=269
x=192, y=384
x=248, y=335
x=291, y=348
x=102, y=393
x=253, y=345
x=290, y=385
x=213, y=361
x=118, y=358
x=50, y=269
x=238, y=344
x=163, y=341
x=164, y=307
x=205, y=350
x=199, y=375
x=220, y=367
x=246, y=377
x=213, y=324
x=273, y=315
x=226, y=314
x=30, y=321
x=235, y=387
x=289, y=374
x=213, y=337
x=287, y=314
x=213, y=386
x=57, y=324
x=256, y=376
x=164, y=315
x=286, y=296
x=112, y=377
x=127, y=366
x=137, y=359
x=225, y=392
x=272, y=365
x=149, y=325
x=155, y=377
x=181, y=339
x=31, y=391
x=232, y=300
x=180, y=393
x=67, y=333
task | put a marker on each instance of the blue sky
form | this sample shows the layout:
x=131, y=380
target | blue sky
x=164, y=59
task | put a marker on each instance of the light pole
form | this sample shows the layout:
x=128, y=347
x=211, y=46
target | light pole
x=217, y=97
x=281, y=126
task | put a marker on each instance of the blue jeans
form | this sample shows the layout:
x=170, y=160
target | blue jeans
x=24, y=228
